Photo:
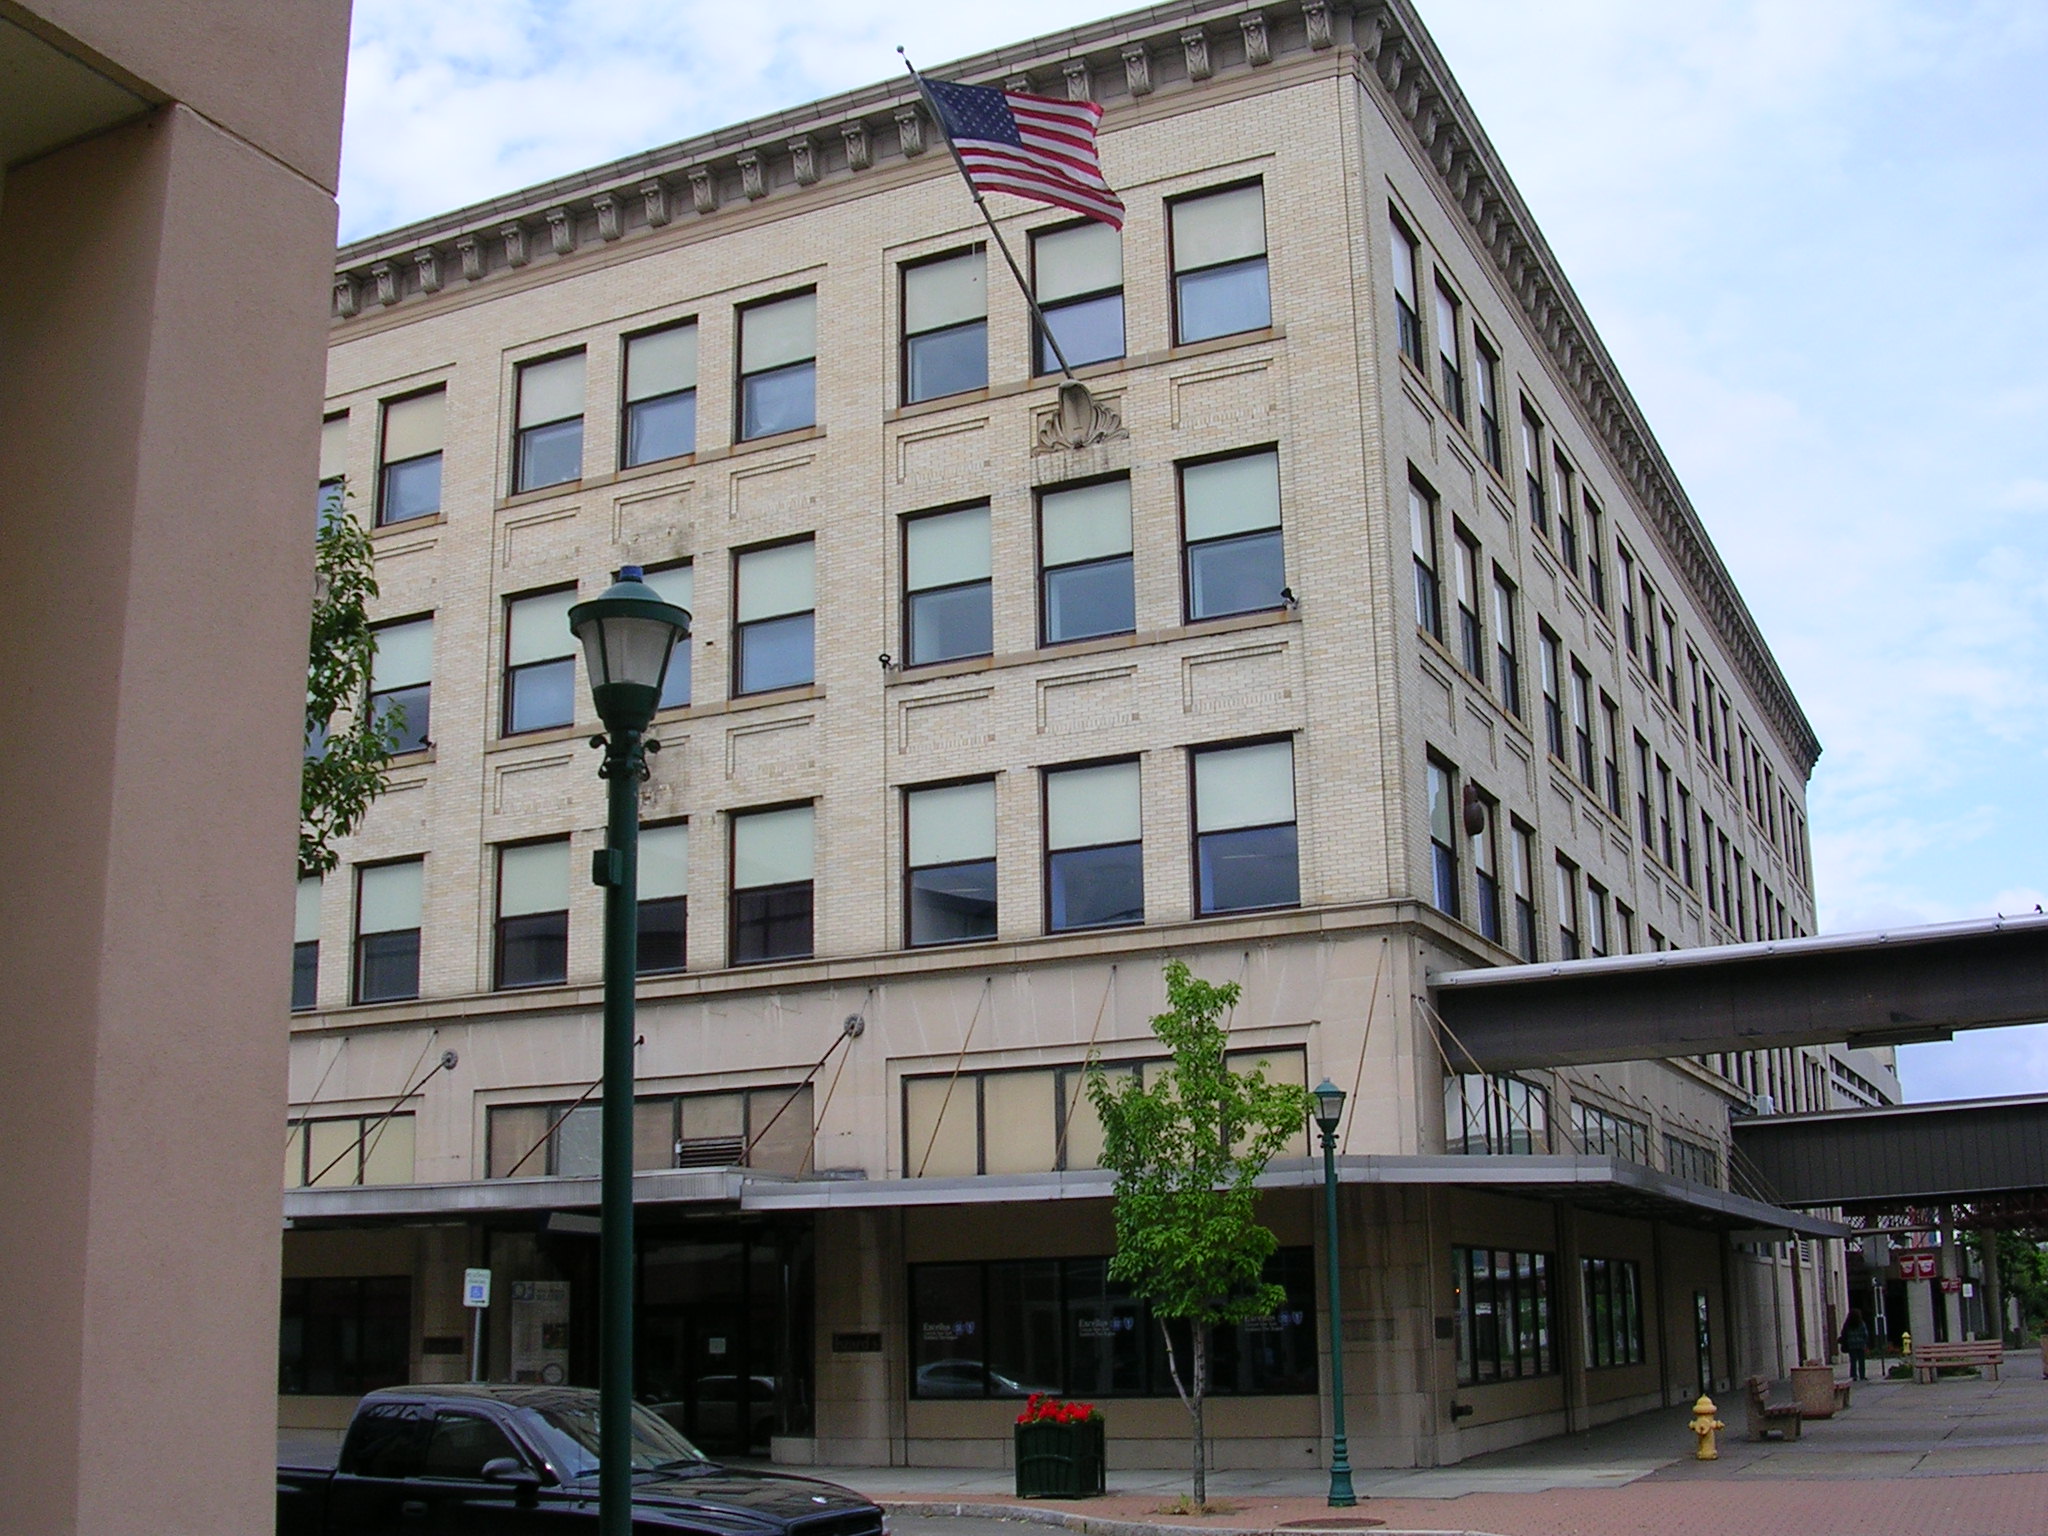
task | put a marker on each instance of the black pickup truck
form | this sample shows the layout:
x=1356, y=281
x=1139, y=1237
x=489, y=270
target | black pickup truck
x=492, y=1460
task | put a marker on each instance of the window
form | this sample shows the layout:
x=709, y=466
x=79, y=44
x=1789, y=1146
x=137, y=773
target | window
x=1503, y=1310
x=1084, y=546
x=1532, y=470
x=333, y=464
x=387, y=965
x=1230, y=511
x=1567, y=514
x=1613, y=1290
x=1582, y=725
x=1523, y=843
x=1602, y=1133
x=1553, y=691
x=778, y=366
x=1443, y=838
x=401, y=682
x=945, y=326
x=949, y=884
x=1690, y=1161
x=661, y=396
x=1429, y=613
x=1495, y=1116
x=344, y=1337
x=1596, y=560
x=663, y=943
x=1407, y=294
x=675, y=584
x=1567, y=909
x=767, y=1128
x=1245, y=852
x=1610, y=762
x=1707, y=853
x=1670, y=659
x=1094, y=849
x=772, y=897
x=409, y=482
x=1650, y=631
x=350, y=1150
x=306, y=944
x=775, y=625
x=1665, y=849
x=1596, y=919
x=947, y=608
x=1645, y=821
x=1505, y=652
x=1685, y=868
x=1450, y=357
x=540, y=662
x=533, y=915
x=1625, y=927
x=1489, y=404
x=549, y=449
x=1627, y=564
x=1486, y=871
x=1471, y=633
x=1077, y=275
x=1219, y=264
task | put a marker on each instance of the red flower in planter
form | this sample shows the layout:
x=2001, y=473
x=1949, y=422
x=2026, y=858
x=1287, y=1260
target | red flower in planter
x=1042, y=1409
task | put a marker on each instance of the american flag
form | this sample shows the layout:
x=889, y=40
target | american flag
x=1031, y=146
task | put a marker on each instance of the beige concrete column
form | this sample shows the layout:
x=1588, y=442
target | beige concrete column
x=163, y=288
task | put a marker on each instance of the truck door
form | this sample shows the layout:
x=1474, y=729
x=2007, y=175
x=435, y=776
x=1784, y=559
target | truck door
x=381, y=1459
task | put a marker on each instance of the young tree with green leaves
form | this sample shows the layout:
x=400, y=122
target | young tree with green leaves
x=1187, y=1146
x=348, y=747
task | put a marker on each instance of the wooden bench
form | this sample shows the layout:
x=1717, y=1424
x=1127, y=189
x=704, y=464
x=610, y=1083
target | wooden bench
x=1767, y=1417
x=1930, y=1357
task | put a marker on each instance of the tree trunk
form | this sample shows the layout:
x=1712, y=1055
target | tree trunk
x=1200, y=1374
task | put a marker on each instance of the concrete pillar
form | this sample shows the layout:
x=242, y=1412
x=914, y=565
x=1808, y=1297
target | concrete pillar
x=1952, y=1269
x=1994, y=1282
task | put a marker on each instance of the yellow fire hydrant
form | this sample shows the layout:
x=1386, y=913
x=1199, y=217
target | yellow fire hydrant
x=1905, y=1343
x=1704, y=1424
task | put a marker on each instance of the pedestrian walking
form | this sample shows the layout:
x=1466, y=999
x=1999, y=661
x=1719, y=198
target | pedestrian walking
x=1856, y=1342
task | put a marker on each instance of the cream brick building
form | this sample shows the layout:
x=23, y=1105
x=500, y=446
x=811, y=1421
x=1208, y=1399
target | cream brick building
x=1353, y=420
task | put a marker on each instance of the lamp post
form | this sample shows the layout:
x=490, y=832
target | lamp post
x=628, y=636
x=1329, y=1111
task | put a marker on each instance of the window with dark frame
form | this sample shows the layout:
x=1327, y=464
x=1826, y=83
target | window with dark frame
x=948, y=609
x=949, y=867
x=773, y=896
x=1533, y=470
x=1582, y=725
x=1506, y=654
x=344, y=1151
x=547, y=444
x=1522, y=842
x=1471, y=631
x=1443, y=837
x=1597, y=939
x=333, y=465
x=778, y=365
x=1450, y=356
x=1567, y=482
x=409, y=460
x=1610, y=763
x=1422, y=539
x=676, y=584
x=1246, y=855
x=663, y=941
x=1670, y=660
x=1086, y=587
x=344, y=1336
x=1596, y=559
x=1649, y=626
x=1407, y=291
x=1685, y=865
x=945, y=326
x=540, y=662
x=660, y=396
x=1603, y=1133
x=1230, y=528
x=1503, y=1306
x=774, y=618
x=401, y=681
x=306, y=944
x=1486, y=870
x=1613, y=1324
x=1666, y=847
x=1094, y=847
x=1627, y=567
x=388, y=905
x=532, y=948
x=1495, y=1115
x=1568, y=946
x=1490, y=443
x=1077, y=275
x=1219, y=263
x=765, y=1128
x=1645, y=819
x=1550, y=657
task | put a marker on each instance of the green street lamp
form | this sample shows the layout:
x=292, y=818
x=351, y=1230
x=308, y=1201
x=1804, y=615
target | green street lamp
x=628, y=636
x=1329, y=1111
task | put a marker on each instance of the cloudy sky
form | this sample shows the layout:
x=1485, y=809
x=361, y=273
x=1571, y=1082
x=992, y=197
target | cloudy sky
x=1812, y=235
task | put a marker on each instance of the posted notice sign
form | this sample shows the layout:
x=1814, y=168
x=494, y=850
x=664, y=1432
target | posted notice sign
x=476, y=1287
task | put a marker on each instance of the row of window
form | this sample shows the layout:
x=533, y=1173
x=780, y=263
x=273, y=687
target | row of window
x=1245, y=856
x=766, y=1128
x=1500, y=1115
x=1504, y=1311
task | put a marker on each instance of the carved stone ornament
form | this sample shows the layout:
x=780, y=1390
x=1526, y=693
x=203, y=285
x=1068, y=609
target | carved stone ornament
x=1195, y=44
x=471, y=252
x=655, y=196
x=1017, y=83
x=609, y=226
x=1078, y=88
x=515, y=244
x=1317, y=14
x=859, y=153
x=803, y=154
x=752, y=182
x=910, y=130
x=387, y=282
x=1137, y=69
x=703, y=189
x=428, y=261
x=1079, y=421
x=1257, y=50
x=347, y=299
x=561, y=231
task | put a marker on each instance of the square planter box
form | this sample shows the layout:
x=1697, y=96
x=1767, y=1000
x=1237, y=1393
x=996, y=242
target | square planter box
x=1060, y=1461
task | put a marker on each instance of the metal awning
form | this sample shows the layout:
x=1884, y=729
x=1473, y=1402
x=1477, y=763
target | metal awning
x=1918, y=1154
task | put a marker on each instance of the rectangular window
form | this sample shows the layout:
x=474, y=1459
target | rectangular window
x=409, y=474
x=333, y=464
x=774, y=622
x=1610, y=762
x=1567, y=514
x=1670, y=660
x=387, y=967
x=533, y=915
x=1490, y=443
x=1707, y=853
x=778, y=366
x=1627, y=564
x=1666, y=849
x=1084, y=547
x=1094, y=848
x=1645, y=821
x=675, y=584
x=1495, y=1116
x=1613, y=1291
x=1523, y=843
x=772, y=890
x=1505, y=652
x=664, y=938
x=1471, y=632
x=661, y=396
x=1596, y=919
x=1230, y=521
x=1685, y=868
x=401, y=681
x=1567, y=909
x=1553, y=691
x=1486, y=871
x=947, y=608
x=1582, y=725
x=945, y=326
x=1077, y=275
x=352, y=1150
x=1625, y=927
x=1596, y=559
x=949, y=882
x=1443, y=838
x=540, y=662
x=1650, y=663
x=1532, y=470
x=344, y=1337
x=1429, y=612
x=1450, y=356
x=549, y=446
x=1692, y=1162
x=1503, y=1309
x=1602, y=1133
x=1407, y=293
x=1219, y=264
x=306, y=944
x=1245, y=849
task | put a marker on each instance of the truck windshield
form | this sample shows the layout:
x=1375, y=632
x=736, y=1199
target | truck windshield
x=572, y=1439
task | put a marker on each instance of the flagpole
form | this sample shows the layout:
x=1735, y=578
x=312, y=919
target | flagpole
x=1037, y=314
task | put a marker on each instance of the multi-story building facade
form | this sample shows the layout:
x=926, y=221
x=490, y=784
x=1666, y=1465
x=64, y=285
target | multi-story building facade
x=1360, y=631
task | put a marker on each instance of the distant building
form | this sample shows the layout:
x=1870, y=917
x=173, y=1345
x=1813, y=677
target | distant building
x=1361, y=631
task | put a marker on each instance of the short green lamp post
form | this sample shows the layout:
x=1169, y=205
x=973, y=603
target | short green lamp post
x=1329, y=1111
x=628, y=636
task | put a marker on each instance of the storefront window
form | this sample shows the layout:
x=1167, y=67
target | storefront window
x=343, y=1337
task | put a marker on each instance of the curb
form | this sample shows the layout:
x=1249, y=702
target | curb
x=1098, y=1525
